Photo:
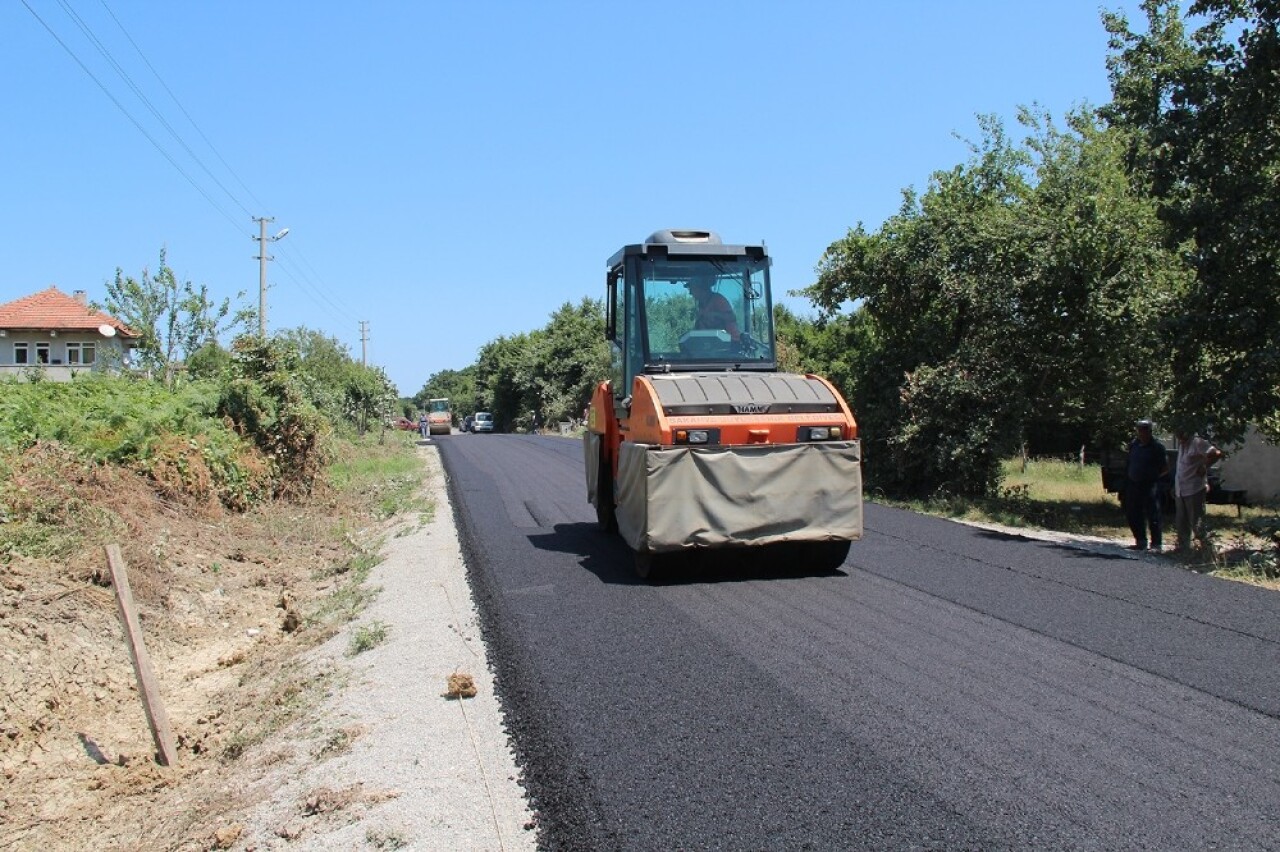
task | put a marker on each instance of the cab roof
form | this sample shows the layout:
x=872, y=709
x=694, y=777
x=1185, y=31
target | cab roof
x=692, y=242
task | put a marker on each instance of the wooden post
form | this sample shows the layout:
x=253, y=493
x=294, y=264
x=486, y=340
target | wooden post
x=157, y=719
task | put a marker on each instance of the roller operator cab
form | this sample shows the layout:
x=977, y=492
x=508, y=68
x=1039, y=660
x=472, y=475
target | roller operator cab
x=697, y=440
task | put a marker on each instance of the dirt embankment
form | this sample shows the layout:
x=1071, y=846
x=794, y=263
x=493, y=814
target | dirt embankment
x=226, y=601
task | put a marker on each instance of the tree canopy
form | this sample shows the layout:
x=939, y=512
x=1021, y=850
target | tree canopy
x=535, y=378
x=175, y=319
x=1021, y=287
x=1201, y=108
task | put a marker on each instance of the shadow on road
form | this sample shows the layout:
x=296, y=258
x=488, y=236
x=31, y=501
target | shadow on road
x=603, y=555
x=609, y=558
x=1070, y=549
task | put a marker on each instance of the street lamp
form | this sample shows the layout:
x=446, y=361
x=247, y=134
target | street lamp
x=262, y=259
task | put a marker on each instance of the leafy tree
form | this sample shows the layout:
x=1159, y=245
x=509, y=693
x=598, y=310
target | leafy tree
x=174, y=319
x=827, y=345
x=210, y=361
x=1201, y=110
x=504, y=381
x=348, y=393
x=369, y=396
x=528, y=380
x=325, y=368
x=569, y=359
x=458, y=386
x=1023, y=284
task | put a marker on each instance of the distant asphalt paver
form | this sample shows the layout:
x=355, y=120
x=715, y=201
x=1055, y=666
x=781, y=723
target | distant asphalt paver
x=948, y=688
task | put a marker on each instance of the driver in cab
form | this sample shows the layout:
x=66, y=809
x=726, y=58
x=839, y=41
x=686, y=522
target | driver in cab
x=714, y=313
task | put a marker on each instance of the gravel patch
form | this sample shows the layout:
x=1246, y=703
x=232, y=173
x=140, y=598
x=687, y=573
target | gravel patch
x=390, y=761
x=1097, y=545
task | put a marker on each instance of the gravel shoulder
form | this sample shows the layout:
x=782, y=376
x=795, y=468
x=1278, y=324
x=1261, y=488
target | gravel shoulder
x=388, y=760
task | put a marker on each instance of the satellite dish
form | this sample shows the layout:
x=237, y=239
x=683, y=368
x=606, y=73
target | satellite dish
x=106, y=330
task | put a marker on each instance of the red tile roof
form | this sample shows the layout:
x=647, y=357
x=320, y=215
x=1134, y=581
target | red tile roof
x=54, y=309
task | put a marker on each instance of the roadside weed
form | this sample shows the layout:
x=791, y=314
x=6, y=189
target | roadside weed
x=367, y=637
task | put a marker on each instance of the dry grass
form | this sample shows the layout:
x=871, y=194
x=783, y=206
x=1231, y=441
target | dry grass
x=215, y=591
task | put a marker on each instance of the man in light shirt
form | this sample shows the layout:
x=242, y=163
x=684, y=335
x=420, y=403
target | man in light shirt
x=1191, y=484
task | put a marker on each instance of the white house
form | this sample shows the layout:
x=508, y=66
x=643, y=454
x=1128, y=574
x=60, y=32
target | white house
x=60, y=335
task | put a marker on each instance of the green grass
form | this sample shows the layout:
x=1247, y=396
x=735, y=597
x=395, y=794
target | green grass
x=1048, y=495
x=367, y=637
x=352, y=595
x=389, y=474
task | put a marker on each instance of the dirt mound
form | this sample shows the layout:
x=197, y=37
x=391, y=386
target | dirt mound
x=226, y=602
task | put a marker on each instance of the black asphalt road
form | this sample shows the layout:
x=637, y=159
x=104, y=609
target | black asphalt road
x=948, y=688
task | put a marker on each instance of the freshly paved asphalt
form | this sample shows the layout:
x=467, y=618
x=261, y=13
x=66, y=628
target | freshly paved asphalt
x=948, y=688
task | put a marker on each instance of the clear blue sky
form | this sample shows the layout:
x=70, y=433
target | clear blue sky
x=451, y=172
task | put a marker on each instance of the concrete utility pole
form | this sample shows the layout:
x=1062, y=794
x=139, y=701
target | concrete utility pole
x=262, y=259
x=364, y=342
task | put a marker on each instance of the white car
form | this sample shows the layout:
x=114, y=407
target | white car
x=483, y=422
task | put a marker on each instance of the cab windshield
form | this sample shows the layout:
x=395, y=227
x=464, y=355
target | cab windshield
x=706, y=311
x=438, y=406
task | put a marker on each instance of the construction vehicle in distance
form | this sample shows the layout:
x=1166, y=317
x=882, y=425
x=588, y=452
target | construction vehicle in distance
x=697, y=440
x=439, y=416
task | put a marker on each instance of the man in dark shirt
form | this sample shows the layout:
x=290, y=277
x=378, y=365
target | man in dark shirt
x=1147, y=463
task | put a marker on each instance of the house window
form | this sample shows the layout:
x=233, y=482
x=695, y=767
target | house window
x=42, y=353
x=21, y=354
x=81, y=354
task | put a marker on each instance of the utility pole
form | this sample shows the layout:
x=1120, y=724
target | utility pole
x=364, y=342
x=262, y=258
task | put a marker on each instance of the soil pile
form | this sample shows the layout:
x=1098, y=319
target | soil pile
x=226, y=602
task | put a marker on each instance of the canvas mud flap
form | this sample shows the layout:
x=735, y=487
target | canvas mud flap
x=670, y=498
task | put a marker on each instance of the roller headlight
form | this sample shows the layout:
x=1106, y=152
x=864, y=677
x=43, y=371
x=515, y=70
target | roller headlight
x=819, y=433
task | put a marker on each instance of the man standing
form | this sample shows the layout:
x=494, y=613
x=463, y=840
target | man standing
x=1191, y=484
x=1147, y=463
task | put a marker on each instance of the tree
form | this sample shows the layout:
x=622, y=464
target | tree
x=458, y=386
x=504, y=380
x=528, y=380
x=210, y=361
x=347, y=392
x=173, y=319
x=1024, y=285
x=325, y=367
x=1201, y=109
x=569, y=359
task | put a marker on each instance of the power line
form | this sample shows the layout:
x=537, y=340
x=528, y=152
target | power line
x=132, y=120
x=181, y=108
x=124, y=75
x=318, y=298
x=315, y=282
x=309, y=285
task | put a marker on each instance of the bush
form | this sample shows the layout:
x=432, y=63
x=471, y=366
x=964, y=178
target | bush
x=264, y=403
x=950, y=439
x=173, y=436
